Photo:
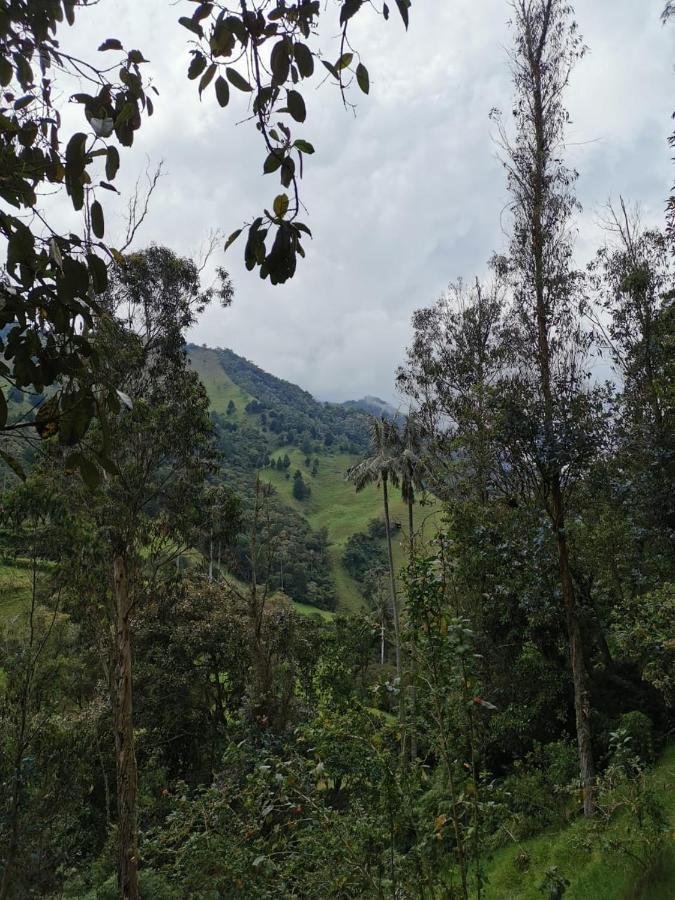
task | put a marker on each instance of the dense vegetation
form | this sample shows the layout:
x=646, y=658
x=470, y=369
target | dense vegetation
x=256, y=646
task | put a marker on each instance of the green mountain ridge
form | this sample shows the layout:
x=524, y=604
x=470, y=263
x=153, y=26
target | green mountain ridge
x=270, y=419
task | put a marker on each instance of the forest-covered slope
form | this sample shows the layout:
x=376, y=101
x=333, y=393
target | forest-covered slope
x=263, y=421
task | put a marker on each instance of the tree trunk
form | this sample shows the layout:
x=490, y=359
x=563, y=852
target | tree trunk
x=582, y=704
x=382, y=642
x=392, y=579
x=413, y=652
x=552, y=475
x=127, y=787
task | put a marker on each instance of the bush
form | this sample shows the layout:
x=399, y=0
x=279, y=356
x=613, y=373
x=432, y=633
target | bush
x=640, y=730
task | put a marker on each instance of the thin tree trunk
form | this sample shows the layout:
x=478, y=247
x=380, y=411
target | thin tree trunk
x=582, y=704
x=210, y=556
x=413, y=652
x=127, y=788
x=552, y=477
x=392, y=578
x=382, y=642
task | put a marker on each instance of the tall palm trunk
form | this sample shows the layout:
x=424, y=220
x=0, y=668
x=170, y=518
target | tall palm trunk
x=392, y=578
x=127, y=787
x=413, y=652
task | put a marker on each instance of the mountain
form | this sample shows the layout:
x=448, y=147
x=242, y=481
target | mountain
x=269, y=427
x=373, y=406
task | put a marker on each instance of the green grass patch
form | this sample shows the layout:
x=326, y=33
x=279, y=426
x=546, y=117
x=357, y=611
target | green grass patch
x=16, y=586
x=594, y=872
x=335, y=506
x=219, y=386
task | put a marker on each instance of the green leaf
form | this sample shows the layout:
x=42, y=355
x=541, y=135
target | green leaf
x=194, y=27
x=331, y=68
x=14, y=464
x=280, y=205
x=344, y=61
x=97, y=222
x=349, y=9
x=197, y=66
x=6, y=71
x=303, y=146
x=362, y=78
x=207, y=78
x=99, y=272
x=280, y=61
x=304, y=59
x=296, y=106
x=237, y=80
x=273, y=162
x=403, y=9
x=111, y=44
x=90, y=472
x=222, y=91
x=232, y=238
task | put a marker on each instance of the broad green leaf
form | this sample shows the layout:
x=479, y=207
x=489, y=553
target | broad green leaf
x=232, y=238
x=207, y=78
x=362, y=78
x=97, y=221
x=296, y=106
x=111, y=44
x=222, y=91
x=304, y=59
x=112, y=163
x=237, y=80
x=273, y=162
x=403, y=9
x=14, y=464
x=303, y=146
x=280, y=205
x=344, y=61
x=194, y=27
x=197, y=66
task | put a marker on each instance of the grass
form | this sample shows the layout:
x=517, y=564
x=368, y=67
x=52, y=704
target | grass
x=219, y=386
x=335, y=506
x=15, y=588
x=595, y=873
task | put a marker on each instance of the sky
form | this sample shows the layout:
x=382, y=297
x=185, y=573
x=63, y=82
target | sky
x=405, y=195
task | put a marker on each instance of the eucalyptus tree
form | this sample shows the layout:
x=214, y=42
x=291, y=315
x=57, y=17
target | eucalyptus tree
x=453, y=366
x=146, y=470
x=382, y=468
x=551, y=421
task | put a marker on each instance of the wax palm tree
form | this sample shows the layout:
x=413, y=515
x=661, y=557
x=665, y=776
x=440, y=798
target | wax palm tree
x=410, y=468
x=381, y=468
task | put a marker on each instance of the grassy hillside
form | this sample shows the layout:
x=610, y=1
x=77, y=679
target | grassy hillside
x=583, y=856
x=219, y=386
x=15, y=589
x=333, y=504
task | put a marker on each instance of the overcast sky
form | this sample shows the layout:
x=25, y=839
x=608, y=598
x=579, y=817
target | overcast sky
x=402, y=198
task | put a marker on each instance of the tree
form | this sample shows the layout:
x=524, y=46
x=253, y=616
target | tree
x=148, y=508
x=52, y=280
x=381, y=469
x=301, y=491
x=546, y=425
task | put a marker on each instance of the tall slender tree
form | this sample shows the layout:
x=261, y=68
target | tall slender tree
x=546, y=421
x=382, y=468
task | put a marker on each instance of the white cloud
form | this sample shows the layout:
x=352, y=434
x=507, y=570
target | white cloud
x=403, y=198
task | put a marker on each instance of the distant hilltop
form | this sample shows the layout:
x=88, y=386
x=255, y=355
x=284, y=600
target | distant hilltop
x=372, y=405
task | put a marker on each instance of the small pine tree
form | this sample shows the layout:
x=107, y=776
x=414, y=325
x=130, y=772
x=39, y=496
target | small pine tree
x=231, y=408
